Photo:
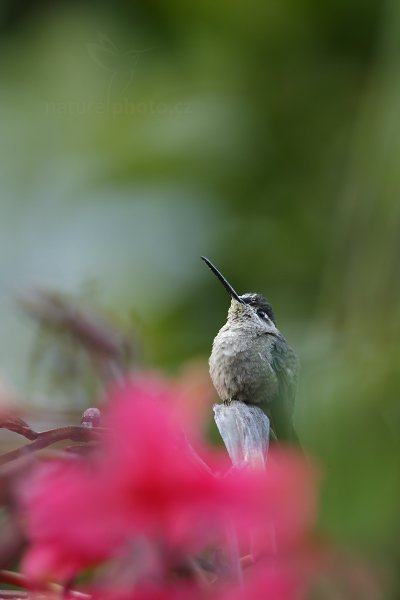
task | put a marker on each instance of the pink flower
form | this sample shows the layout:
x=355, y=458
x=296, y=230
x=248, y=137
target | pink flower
x=144, y=480
x=145, y=487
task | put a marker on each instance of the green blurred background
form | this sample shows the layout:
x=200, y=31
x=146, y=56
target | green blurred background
x=136, y=136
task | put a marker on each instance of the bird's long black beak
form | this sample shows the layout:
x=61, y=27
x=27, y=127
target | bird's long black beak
x=222, y=279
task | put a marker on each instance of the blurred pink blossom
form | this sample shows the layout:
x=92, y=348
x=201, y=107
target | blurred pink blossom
x=145, y=482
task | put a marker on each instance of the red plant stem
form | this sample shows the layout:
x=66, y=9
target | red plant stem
x=19, y=580
x=13, y=578
x=17, y=425
x=47, y=438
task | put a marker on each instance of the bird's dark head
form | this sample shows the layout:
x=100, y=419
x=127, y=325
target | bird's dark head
x=260, y=304
x=254, y=313
x=252, y=310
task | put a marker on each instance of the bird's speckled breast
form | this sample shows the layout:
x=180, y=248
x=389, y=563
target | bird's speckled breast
x=240, y=367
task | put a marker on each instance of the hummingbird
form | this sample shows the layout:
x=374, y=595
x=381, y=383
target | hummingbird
x=252, y=362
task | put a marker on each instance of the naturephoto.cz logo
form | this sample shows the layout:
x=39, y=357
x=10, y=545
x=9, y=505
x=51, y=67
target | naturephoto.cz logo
x=120, y=67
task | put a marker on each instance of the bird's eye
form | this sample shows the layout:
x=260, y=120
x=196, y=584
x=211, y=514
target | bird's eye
x=261, y=314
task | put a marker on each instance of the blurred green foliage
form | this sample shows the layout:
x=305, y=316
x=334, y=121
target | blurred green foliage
x=138, y=135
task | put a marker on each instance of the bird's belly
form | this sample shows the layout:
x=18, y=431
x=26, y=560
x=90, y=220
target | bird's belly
x=242, y=371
